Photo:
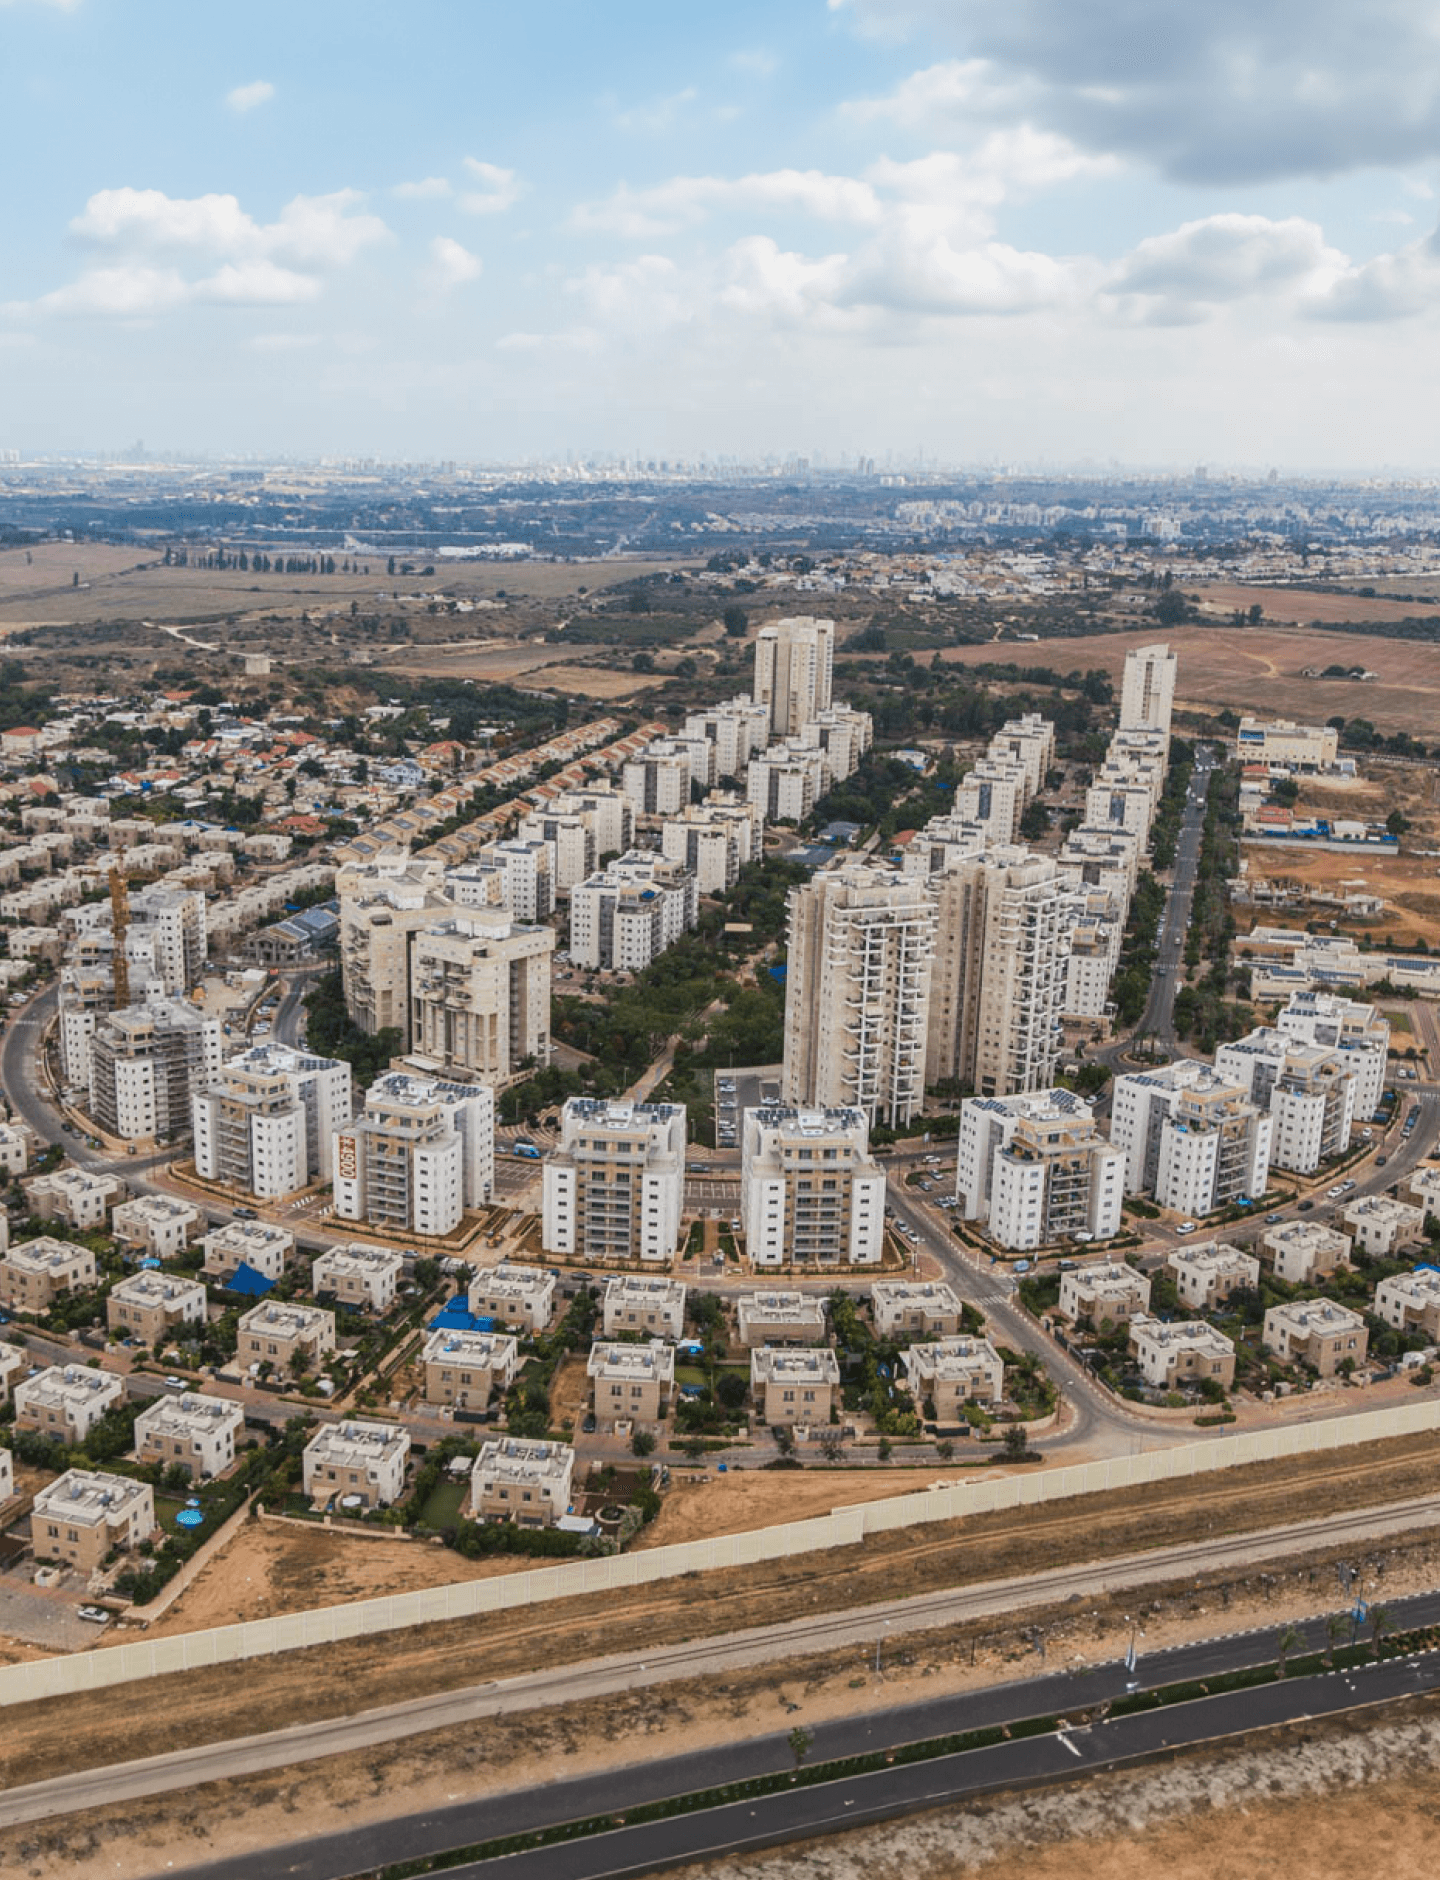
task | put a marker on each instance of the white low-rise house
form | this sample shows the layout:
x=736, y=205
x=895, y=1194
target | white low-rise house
x=909, y=1307
x=150, y=1305
x=83, y=1515
x=1425, y=1190
x=16, y=1147
x=1411, y=1302
x=357, y=1464
x=77, y=1196
x=281, y=1333
x=13, y=1366
x=265, y=1249
x=1113, y=1291
x=1304, y=1251
x=1380, y=1224
x=197, y=1432
x=636, y=1303
x=364, y=1277
x=1316, y=1332
x=521, y=1480
x=1189, y=1351
x=67, y=1401
x=1210, y=1272
x=632, y=1383
x=160, y=1225
x=952, y=1372
x=781, y=1318
x=468, y=1370
x=516, y=1295
x=794, y=1386
x=35, y=1272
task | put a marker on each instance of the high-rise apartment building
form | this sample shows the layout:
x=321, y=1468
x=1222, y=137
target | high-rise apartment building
x=999, y=979
x=1037, y=1169
x=861, y=942
x=786, y=781
x=585, y=826
x=844, y=735
x=145, y=1063
x=737, y=729
x=265, y=1123
x=383, y=904
x=657, y=779
x=810, y=1191
x=1147, y=691
x=614, y=1186
x=480, y=994
x=518, y=875
x=421, y=1151
x=794, y=669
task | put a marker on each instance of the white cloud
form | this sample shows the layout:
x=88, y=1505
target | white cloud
x=500, y=189
x=660, y=114
x=686, y=200
x=452, y=265
x=1222, y=258
x=1399, y=286
x=428, y=186
x=148, y=238
x=246, y=97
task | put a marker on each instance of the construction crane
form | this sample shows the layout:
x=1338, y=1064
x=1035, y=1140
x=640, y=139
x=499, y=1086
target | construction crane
x=119, y=927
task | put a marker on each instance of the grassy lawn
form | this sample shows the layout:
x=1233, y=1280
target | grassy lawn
x=167, y=1506
x=442, y=1509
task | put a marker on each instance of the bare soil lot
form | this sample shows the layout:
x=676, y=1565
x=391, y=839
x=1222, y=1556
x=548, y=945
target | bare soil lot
x=1258, y=669
x=1299, y=606
x=1410, y=885
x=755, y=1498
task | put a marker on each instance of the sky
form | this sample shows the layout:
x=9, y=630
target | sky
x=1042, y=233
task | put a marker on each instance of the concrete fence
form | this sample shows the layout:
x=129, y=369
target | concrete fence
x=845, y=1527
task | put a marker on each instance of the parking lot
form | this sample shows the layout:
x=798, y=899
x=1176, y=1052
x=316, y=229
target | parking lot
x=737, y=1091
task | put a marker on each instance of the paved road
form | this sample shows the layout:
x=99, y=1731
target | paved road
x=1087, y=1741
x=1158, y=1019
x=761, y=1645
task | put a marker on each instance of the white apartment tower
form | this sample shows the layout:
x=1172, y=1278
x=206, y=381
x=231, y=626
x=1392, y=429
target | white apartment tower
x=1192, y=1139
x=145, y=1062
x=794, y=668
x=810, y=1191
x=265, y=1123
x=1000, y=976
x=417, y=1156
x=861, y=943
x=1147, y=691
x=1350, y=1027
x=1309, y=1092
x=480, y=994
x=1037, y=1169
x=614, y=1186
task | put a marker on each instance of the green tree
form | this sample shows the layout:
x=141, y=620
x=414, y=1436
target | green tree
x=735, y=620
x=800, y=1740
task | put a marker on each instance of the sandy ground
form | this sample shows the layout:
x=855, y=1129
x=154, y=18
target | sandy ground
x=1409, y=885
x=756, y=1498
x=1300, y=606
x=1259, y=668
x=271, y=1567
x=501, y=1754
x=1312, y=1802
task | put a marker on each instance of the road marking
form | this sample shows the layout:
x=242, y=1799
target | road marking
x=1068, y=1745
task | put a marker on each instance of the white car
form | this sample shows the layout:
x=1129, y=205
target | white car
x=1186, y=1227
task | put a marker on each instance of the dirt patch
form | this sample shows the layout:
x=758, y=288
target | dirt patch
x=1408, y=884
x=569, y=1392
x=756, y=1498
x=340, y=1679
x=1259, y=669
x=1301, y=606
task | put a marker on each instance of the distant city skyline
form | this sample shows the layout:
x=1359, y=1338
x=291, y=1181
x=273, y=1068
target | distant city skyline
x=832, y=229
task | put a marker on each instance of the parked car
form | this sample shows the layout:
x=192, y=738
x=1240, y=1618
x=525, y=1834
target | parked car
x=1185, y=1227
x=94, y=1615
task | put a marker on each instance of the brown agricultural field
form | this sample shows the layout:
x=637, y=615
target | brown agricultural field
x=132, y=583
x=1259, y=669
x=1300, y=606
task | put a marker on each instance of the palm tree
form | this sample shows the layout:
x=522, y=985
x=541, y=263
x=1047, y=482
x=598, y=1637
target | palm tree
x=1290, y=1636
x=1336, y=1627
x=1379, y=1624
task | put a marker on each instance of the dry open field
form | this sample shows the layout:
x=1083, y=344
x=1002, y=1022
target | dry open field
x=131, y=583
x=1300, y=606
x=1410, y=885
x=1258, y=669
x=753, y=1498
x=237, y=1699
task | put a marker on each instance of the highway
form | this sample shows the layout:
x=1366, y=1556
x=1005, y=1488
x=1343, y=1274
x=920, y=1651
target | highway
x=1088, y=1740
x=761, y=1645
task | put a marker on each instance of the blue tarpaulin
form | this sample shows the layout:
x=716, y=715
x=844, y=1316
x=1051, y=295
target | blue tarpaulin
x=246, y=1280
x=456, y=1316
